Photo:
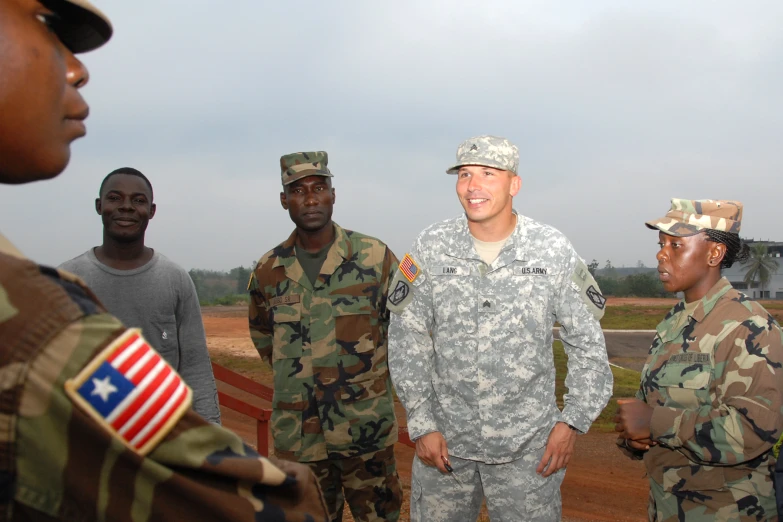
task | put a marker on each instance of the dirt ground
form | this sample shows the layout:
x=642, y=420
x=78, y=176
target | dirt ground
x=600, y=484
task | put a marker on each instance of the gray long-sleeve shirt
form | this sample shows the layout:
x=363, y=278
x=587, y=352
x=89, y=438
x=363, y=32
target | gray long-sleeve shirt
x=470, y=344
x=159, y=298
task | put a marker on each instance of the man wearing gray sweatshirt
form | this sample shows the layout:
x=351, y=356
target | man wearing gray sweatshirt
x=145, y=289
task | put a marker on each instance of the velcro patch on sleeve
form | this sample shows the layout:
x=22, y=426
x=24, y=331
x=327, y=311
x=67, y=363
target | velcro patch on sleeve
x=132, y=392
x=400, y=293
x=409, y=268
x=588, y=290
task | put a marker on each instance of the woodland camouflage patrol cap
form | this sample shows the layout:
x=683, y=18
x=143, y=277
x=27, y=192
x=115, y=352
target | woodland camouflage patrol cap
x=487, y=151
x=81, y=26
x=299, y=165
x=690, y=216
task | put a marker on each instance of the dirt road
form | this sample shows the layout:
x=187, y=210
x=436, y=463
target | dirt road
x=600, y=484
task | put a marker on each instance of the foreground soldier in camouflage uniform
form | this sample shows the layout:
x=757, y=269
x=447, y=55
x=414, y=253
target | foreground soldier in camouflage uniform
x=67, y=367
x=318, y=317
x=470, y=350
x=708, y=410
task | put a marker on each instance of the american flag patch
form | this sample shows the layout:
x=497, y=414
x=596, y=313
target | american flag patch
x=132, y=392
x=409, y=268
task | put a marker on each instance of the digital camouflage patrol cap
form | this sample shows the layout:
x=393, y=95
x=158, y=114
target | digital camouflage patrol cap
x=299, y=165
x=690, y=216
x=487, y=151
x=81, y=26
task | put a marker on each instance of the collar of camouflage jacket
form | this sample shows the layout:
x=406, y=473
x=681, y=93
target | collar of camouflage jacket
x=338, y=252
x=666, y=328
x=8, y=248
x=516, y=245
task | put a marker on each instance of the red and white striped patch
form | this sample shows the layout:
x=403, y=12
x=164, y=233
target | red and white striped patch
x=132, y=392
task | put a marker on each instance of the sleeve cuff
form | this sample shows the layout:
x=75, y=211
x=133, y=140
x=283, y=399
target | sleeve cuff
x=420, y=423
x=664, y=425
x=573, y=418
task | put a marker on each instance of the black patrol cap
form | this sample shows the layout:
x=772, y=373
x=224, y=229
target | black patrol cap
x=81, y=26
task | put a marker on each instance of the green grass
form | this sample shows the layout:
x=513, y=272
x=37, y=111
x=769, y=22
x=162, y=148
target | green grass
x=626, y=382
x=228, y=300
x=628, y=317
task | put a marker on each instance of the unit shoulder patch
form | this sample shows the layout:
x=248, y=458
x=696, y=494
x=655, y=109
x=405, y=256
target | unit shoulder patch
x=588, y=290
x=131, y=392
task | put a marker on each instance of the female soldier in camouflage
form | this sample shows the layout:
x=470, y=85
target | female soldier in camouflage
x=708, y=411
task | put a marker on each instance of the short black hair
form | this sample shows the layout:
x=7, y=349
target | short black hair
x=129, y=171
x=736, y=249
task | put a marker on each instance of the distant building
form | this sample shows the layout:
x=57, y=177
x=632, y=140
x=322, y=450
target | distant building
x=774, y=289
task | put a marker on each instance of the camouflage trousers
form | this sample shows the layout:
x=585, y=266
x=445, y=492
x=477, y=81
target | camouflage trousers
x=748, y=499
x=514, y=491
x=369, y=483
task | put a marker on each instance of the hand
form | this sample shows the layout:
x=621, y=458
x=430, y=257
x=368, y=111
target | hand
x=632, y=422
x=559, y=448
x=431, y=450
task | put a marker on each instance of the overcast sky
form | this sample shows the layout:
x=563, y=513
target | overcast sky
x=616, y=107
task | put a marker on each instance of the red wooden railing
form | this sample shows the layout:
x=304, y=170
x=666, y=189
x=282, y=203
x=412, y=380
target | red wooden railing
x=250, y=386
x=261, y=415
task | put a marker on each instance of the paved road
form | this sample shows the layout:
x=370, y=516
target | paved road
x=626, y=348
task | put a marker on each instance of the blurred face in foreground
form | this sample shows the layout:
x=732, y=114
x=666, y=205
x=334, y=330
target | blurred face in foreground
x=41, y=110
x=486, y=193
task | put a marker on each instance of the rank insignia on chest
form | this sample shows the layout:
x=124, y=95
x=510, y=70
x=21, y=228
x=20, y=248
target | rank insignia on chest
x=409, y=268
x=131, y=392
x=487, y=305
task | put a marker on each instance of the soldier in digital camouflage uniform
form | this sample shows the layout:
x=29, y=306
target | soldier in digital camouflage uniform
x=60, y=456
x=318, y=316
x=708, y=410
x=470, y=350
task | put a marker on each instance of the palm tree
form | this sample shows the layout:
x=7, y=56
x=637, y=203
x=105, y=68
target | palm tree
x=759, y=266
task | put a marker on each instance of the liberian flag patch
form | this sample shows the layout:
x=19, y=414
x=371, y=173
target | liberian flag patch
x=409, y=268
x=132, y=392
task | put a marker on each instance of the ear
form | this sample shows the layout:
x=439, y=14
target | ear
x=153, y=208
x=717, y=253
x=334, y=198
x=98, y=205
x=516, y=184
x=283, y=200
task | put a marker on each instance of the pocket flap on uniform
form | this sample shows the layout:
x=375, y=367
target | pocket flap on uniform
x=693, y=478
x=287, y=313
x=351, y=305
x=691, y=376
x=363, y=390
x=289, y=401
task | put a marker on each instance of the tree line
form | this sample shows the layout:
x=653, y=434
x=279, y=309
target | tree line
x=216, y=287
x=230, y=287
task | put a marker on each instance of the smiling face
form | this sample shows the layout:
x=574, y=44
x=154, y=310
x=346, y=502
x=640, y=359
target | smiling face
x=42, y=110
x=486, y=193
x=125, y=207
x=309, y=201
x=689, y=264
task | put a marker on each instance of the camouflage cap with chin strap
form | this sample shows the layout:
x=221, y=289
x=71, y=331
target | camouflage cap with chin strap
x=690, y=216
x=487, y=151
x=299, y=165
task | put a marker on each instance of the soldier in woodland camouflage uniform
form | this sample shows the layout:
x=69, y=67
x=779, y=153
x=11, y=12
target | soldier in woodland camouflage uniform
x=708, y=410
x=67, y=367
x=318, y=317
x=470, y=350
